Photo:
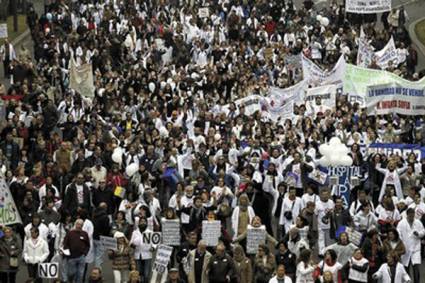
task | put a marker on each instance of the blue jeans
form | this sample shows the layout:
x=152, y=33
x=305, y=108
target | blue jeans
x=75, y=267
x=98, y=250
x=144, y=268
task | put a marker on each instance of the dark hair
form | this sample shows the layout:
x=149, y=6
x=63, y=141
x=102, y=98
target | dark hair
x=265, y=248
x=410, y=210
x=332, y=253
x=305, y=255
x=395, y=232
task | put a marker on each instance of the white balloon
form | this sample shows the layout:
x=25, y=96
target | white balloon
x=217, y=137
x=151, y=87
x=324, y=161
x=117, y=157
x=335, y=160
x=341, y=150
x=319, y=18
x=119, y=150
x=334, y=141
x=325, y=149
x=131, y=169
x=346, y=161
x=324, y=21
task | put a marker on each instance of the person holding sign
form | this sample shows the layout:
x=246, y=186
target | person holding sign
x=143, y=248
x=122, y=258
x=36, y=251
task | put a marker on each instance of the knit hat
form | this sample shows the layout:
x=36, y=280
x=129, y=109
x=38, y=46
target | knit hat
x=118, y=235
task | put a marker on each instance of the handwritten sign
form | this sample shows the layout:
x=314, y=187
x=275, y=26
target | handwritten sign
x=211, y=231
x=110, y=243
x=255, y=237
x=170, y=232
x=204, y=12
x=162, y=258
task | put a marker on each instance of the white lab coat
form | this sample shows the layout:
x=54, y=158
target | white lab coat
x=142, y=250
x=383, y=274
x=411, y=242
x=286, y=279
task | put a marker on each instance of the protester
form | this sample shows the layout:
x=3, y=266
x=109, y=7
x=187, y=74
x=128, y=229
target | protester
x=35, y=252
x=122, y=259
x=10, y=254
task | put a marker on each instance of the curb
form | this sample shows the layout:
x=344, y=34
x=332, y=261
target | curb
x=21, y=37
x=414, y=38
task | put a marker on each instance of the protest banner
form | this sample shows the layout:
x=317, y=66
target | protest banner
x=170, y=232
x=357, y=79
x=162, y=258
x=397, y=149
x=48, y=270
x=387, y=54
x=394, y=98
x=275, y=111
x=367, y=6
x=211, y=232
x=327, y=94
x=3, y=31
x=9, y=214
x=109, y=243
x=295, y=93
x=315, y=76
x=255, y=237
x=252, y=104
x=81, y=78
x=343, y=187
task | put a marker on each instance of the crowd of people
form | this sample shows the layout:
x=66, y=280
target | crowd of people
x=163, y=70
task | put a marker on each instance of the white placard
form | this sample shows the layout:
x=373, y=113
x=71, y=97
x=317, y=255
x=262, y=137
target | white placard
x=3, y=31
x=153, y=238
x=211, y=231
x=109, y=243
x=171, y=232
x=255, y=237
x=204, y=12
x=48, y=270
x=162, y=258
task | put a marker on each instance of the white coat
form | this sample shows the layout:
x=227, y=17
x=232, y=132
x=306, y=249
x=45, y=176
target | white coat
x=383, y=274
x=411, y=242
x=142, y=250
x=286, y=279
x=35, y=251
x=235, y=219
x=304, y=274
x=293, y=206
x=392, y=178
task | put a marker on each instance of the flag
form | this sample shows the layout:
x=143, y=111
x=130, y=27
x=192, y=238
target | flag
x=81, y=78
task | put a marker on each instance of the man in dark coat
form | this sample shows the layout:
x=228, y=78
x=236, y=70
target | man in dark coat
x=11, y=150
x=77, y=195
x=102, y=227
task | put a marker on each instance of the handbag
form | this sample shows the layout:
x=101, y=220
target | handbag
x=13, y=262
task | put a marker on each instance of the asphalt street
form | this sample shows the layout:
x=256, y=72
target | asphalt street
x=415, y=11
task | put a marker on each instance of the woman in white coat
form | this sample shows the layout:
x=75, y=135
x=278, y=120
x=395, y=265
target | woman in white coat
x=392, y=177
x=411, y=232
x=305, y=267
x=280, y=275
x=36, y=251
x=392, y=271
x=242, y=210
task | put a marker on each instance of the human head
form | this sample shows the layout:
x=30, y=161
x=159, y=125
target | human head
x=220, y=249
x=280, y=271
x=79, y=224
x=96, y=274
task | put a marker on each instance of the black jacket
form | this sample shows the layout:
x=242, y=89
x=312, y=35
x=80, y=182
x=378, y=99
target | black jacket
x=70, y=200
x=102, y=226
x=106, y=196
